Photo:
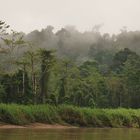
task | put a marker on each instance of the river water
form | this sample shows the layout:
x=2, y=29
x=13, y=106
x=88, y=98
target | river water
x=71, y=134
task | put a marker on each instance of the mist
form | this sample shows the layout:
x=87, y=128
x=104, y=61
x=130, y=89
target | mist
x=72, y=43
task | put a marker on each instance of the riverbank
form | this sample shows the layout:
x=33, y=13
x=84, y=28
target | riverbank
x=36, y=126
x=64, y=115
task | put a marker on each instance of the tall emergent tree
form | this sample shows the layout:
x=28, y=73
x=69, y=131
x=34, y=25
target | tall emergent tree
x=12, y=42
x=47, y=60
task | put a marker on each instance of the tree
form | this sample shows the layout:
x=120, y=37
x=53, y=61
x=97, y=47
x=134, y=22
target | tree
x=132, y=80
x=117, y=94
x=47, y=61
x=31, y=58
x=64, y=81
x=120, y=58
x=3, y=28
x=93, y=88
x=11, y=51
x=2, y=93
x=23, y=65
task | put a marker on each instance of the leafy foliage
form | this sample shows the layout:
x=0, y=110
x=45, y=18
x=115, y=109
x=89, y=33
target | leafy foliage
x=87, y=69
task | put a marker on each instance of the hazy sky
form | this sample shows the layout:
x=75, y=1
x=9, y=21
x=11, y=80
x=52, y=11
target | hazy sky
x=27, y=15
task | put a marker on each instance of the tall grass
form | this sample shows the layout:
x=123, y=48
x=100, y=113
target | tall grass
x=21, y=115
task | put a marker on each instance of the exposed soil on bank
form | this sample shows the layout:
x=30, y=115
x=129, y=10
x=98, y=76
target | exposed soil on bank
x=36, y=125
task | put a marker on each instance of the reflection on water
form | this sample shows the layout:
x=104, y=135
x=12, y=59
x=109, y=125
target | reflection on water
x=70, y=134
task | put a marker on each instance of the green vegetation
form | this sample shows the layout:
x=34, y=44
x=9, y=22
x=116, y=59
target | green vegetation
x=64, y=114
x=68, y=67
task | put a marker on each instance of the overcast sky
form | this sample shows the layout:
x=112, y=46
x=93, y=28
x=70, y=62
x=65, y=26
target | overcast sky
x=27, y=15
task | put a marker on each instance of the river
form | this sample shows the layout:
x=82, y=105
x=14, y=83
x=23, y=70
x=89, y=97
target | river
x=71, y=134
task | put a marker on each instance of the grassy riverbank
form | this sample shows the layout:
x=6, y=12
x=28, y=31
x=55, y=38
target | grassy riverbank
x=22, y=115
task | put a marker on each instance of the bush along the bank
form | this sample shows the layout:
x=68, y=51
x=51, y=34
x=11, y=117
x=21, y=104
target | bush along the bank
x=71, y=115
